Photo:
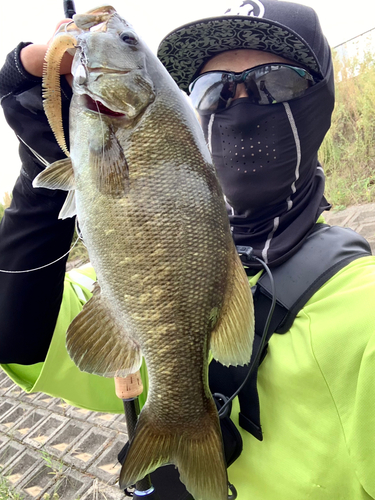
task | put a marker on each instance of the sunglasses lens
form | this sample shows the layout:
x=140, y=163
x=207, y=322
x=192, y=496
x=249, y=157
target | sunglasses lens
x=212, y=91
x=268, y=84
x=274, y=84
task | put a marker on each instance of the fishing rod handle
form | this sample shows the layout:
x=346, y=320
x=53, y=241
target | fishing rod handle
x=129, y=387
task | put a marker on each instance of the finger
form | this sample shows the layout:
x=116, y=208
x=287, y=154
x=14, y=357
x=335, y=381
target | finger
x=66, y=64
x=60, y=23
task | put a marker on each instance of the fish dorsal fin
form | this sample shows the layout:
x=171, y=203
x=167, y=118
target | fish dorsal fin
x=51, y=85
x=59, y=175
x=233, y=336
x=97, y=344
x=93, y=17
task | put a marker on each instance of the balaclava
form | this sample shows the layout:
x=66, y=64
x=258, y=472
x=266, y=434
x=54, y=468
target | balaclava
x=266, y=160
x=265, y=156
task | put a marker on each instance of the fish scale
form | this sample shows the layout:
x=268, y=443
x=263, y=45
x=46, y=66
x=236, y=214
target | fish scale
x=170, y=285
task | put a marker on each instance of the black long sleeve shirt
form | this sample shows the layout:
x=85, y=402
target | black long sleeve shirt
x=31, y=235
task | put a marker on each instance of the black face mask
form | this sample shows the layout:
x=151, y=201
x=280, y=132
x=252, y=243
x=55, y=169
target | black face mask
x=266, y=160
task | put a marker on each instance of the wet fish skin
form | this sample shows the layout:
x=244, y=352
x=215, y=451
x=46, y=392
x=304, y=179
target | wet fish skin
x=170, y=283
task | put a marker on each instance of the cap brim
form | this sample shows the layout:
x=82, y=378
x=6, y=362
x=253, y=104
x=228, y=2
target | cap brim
x=186, y=49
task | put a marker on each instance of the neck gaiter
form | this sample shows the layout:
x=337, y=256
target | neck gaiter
x=266, y=161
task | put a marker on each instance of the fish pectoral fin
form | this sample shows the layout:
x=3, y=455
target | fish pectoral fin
x=110, y=165
x=232, y=339
x=59, y=175
x=96, y=343
x=196, y=451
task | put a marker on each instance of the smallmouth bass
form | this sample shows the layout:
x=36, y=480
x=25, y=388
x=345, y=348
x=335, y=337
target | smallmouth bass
x=170, y=285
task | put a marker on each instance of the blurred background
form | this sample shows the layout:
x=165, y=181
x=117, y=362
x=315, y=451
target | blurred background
x=348, y=25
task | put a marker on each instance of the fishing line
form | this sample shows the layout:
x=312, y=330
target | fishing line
x=224, y=410
x=46, y=164
x=102, y=124
x=79, y=232
x=45, y=265
x=37, y=155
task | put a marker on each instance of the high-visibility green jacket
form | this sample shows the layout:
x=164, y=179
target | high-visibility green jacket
x=316, y=388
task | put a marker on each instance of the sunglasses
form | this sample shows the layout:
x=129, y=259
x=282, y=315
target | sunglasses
x=265, y=84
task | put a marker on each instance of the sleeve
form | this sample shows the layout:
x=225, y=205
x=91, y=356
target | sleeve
x=31, y=236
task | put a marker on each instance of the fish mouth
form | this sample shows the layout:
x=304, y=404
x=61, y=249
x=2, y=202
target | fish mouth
x=98, y=107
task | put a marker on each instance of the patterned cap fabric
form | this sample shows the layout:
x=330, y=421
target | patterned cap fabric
x=286, y=29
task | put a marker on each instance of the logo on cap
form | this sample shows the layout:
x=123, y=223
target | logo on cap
x=253, y=8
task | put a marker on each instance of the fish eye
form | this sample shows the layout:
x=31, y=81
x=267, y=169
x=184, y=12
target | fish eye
x=128, y=38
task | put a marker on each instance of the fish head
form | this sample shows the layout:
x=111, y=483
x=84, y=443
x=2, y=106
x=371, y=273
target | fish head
x=110, y=72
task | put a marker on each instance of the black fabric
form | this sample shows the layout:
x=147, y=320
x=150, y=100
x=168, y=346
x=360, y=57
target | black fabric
x=30, y=233
x=13, y=76
x=266, y=160
x=232, y=439
x=325, y=252
x=167, y=484
x=165, y=480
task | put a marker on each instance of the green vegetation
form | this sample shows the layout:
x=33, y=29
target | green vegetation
x=7, y=492
x=348, y=151
x=5, y=203
x=78, y=253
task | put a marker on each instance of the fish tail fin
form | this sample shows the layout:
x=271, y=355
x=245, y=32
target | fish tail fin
x=201, y=461
x=197, y=452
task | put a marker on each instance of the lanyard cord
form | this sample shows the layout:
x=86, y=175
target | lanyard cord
x=224, y=410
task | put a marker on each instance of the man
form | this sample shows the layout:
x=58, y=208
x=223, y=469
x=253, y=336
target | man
x=264, y=128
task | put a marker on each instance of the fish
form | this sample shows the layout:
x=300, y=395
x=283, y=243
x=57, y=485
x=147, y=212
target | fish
x=170, y=285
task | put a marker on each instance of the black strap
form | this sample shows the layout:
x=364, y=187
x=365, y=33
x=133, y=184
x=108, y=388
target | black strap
x=327, y=250
x=324, y=253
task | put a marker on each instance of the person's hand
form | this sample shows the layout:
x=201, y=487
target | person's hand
x=32, y=58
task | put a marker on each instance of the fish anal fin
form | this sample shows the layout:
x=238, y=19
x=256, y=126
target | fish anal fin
x=197, y=453
x=69, y=209
x=232, y=338
x=59, y=175
x=110, y=166
x=96, y=343
x=51, y=85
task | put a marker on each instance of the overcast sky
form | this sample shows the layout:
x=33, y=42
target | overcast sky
x=34, y=21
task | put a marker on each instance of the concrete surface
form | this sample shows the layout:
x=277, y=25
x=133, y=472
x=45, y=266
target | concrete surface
x=48, y=447
x=361, y=218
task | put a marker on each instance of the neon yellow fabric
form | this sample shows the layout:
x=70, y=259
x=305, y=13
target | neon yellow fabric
x=317, y=399
x=59, y=377
x=316, y=389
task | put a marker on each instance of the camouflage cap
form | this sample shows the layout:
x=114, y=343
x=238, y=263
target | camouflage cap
x=286, y=29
